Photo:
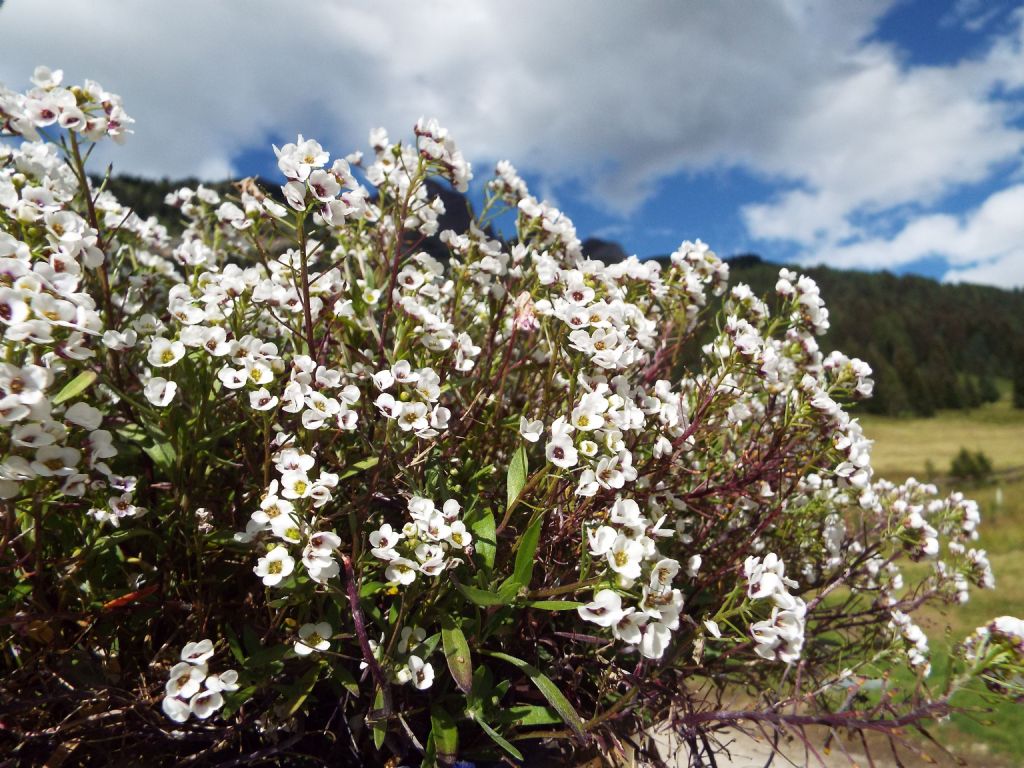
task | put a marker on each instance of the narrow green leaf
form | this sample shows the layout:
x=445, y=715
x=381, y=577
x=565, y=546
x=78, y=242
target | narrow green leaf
x=517, y=472
x=456, y=652
x=234, y=644
x=500, y=740
x=360, y=466
x=75, y=387
x=548, y=689
x=505, y=595
x=370, y=588
x=523, y=571
x=162, y=454
x=554, y=605
x=378, y=726
x=300, y=690
x=445, y=735
x=484, y=538
x=235, y=699
x=346, y=678
x=525, y=715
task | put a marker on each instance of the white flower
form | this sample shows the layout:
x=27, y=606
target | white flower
x=383, y=379
x=531, y=430
x=198, y=652
x=159, y=391
x=295, y=484
x=185, y=679
x=84, y=415
x=422, y=674
x=164, y=353
x=561, y=452
x=383, y=541
x=262, y=400
x=605, y=610
x=601, y=540
x=662, y=574
x=712, y=627
x=624, y=557
x=629, y=628
x=277, y=565
x=413, y=416
x=206, y=703
x=176, y=709
x=401, y=570
x=766, y=577
x=388, y=405
x=313, y=637
x=410, y=638
x=225, y=681
x=656, y=638
x=458, y=535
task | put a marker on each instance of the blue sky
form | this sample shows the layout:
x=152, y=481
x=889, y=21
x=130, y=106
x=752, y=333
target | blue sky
x=877, y=134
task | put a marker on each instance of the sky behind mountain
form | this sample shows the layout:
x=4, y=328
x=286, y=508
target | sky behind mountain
x=874, y=134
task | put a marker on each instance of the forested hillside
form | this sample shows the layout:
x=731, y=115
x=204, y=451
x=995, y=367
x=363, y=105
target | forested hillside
x=933, y=346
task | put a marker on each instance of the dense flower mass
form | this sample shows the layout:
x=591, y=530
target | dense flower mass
x=436, y=490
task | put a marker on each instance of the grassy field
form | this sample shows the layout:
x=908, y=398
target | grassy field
x=906, y=447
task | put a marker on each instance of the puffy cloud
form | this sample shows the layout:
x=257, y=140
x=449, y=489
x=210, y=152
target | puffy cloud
x=593, y=97
x=986, y=245
x=885, y=135
x=609, y=95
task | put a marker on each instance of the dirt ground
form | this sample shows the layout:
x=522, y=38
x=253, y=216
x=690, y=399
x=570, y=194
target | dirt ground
x=744, y=750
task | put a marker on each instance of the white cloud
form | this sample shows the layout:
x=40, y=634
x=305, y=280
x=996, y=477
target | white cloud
x=600, y=97
x=985, y=245
x=885, y=136
x=612, y=96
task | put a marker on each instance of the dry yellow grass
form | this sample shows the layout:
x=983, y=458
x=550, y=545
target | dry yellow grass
x=904, y=446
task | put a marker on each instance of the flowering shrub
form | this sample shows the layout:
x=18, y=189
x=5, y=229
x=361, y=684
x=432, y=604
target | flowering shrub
x=430, y=509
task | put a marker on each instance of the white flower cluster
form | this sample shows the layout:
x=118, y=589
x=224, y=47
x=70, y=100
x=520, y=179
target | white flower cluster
x=627, y=549
x=425, y=544
x=287, y=512
x=191, y=689
x=86, y=110
x=48, y=316
x=780, y=636
x=416, y=409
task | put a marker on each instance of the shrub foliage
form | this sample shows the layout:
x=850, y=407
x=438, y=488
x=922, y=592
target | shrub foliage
x=286, y=488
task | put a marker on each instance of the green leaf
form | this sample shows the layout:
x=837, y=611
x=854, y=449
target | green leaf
x=456, y=652
x=117, y=537
x=554, y=605
x=516, y=478
x=525, y=715
x=505, y=595
x=523, y=571
x=162, y=454
x=234, y=644
x=548, y=689
x=235, y=699
x=360, y=466
x=299, y=691
x=346, y=678
x=378, y=727
x=445, y=735
x=75, y=387
x=500, y=740
x=369, y=588
x=485, y=539
x=132, y=432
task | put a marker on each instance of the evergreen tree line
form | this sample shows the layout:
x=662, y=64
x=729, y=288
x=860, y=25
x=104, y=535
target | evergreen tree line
x=932, y=345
